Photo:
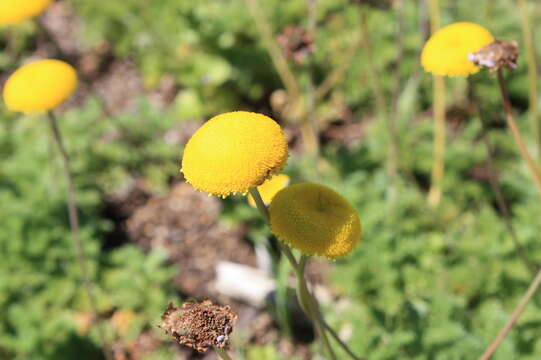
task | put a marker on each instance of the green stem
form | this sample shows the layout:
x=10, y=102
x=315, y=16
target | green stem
x=306, y=300
x=278, y=59
x=381, y=104
x=74, y=224
x=222, y=353
x=438, y=165
x=309, y=305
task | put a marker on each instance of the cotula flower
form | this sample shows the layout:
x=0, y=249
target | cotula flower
x=39, y=86
x=446, y=52
x=315, y=219
x=234, y=152
x=269, y=188
x=14, y=11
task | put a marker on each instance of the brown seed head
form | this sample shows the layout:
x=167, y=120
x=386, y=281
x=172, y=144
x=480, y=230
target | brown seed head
x=199, y=325
x=496, y=55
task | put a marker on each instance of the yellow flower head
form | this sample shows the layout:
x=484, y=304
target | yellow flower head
x=446, y=52
x=270, y=188
x=315, y=219
x=234, y=152
x=14, y=11
x=39, y=86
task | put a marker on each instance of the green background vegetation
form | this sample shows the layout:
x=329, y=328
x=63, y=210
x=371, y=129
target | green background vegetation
x=424, y=283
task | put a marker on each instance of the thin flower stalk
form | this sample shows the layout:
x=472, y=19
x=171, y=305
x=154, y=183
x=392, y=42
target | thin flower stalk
x=534, y=286
x=306, y=299
x=519, y=140
x=74, y=223
x=438, y=164
x=522, y=6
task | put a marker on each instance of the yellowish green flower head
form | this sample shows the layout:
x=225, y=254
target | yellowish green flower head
x=315, y=219
x=446, y=52
x=269, y=188
x=40, y=86
x=234, y=152
x=15, y=11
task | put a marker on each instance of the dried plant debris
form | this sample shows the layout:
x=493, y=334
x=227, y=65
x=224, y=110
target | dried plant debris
x=199, y=325
x=496, y=55
x=379, y=4
x=296, y=43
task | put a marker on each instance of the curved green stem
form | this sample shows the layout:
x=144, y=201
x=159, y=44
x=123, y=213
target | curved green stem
x=309, y=305
x=306, y=300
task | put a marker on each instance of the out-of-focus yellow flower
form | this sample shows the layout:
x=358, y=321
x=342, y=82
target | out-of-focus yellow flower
x=121, y=321
x=270, y=188
x=234, y=152
x=39, y=86
x=315, y=219
x=446, y=52
x=14, y=11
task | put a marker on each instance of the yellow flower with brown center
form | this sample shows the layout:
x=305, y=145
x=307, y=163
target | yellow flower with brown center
x=270, y=188
x=446, y=52
x=14, y=11
x=41, y=85
x=234, y=152
x=315, y=219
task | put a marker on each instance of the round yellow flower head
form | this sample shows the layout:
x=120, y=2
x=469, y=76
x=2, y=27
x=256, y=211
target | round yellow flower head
x=315, y=219
x=446, y=52
x=234, y=152
x=14, y=11
x=39, y=86
x=270, y=188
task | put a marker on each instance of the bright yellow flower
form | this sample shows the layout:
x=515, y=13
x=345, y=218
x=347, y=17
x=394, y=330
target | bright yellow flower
x=315, y=219
x=39, y=86
x=14, y=11
x=270, y=188
x=446, y=52
x=234, y=152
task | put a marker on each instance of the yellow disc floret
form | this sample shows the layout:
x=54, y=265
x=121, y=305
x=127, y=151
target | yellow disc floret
x=14, y=11
x=446, y=52
x=270, y=188
x=315, y=219
x=234, y=152
x=39, y=86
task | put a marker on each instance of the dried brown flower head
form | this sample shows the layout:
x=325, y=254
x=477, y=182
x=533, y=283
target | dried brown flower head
x=199, y=325
x=496, y=55
x=296, y=43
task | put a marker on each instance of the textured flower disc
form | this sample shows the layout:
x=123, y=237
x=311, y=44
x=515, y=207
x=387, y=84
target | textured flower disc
x=39, y=86
x=234, y=152
x=315, y=219
x=269, y=188
x=14, y=11
x=446, y=52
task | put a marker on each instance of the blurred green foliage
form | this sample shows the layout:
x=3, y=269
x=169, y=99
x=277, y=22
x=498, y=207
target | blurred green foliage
x=424, y=283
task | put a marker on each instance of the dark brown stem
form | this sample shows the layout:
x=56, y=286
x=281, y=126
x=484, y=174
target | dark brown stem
x=511, y=123
x=514, y=317
x=502, y=205
x=496, y=188
x=74, y=223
